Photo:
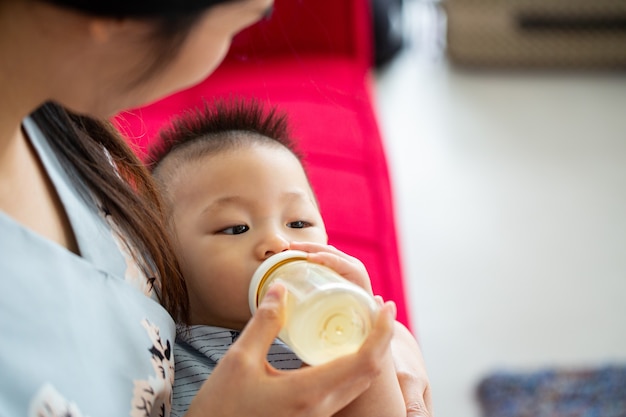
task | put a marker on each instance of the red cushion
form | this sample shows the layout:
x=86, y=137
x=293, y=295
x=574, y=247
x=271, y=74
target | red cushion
x=329, y=104
x=309, y=27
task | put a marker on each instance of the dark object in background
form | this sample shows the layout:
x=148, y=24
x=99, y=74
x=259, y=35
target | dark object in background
x=537, y=33
x=388, y=30
x=597, y=392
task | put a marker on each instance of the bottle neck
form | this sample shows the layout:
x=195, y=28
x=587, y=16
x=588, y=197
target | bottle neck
x=270, y=271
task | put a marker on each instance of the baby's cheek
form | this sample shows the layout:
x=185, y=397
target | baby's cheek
x=321, y=237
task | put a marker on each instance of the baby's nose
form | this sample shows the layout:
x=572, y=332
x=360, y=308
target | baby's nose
x=272, y=245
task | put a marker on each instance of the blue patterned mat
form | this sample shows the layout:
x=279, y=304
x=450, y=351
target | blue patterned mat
x=555, y=393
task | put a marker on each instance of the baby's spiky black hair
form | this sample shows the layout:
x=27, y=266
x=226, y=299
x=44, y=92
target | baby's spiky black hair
x=212, y=123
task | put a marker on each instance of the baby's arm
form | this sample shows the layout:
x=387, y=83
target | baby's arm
x=382, y=399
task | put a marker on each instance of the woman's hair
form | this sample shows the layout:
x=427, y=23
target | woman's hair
x=111, y=175
x=138, y=9
x=103, y=165
x=218, y=126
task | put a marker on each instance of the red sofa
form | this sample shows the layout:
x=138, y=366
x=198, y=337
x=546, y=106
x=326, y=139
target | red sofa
x=313, y=58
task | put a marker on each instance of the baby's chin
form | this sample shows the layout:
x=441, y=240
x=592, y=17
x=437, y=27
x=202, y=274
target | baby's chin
x=226, y=324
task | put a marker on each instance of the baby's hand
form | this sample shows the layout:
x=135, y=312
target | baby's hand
x=345, y=265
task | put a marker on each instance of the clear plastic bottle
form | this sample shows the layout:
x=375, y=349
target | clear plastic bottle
x=326, y=315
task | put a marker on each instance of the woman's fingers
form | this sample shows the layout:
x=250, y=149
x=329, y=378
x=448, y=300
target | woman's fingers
x=317, y=391
x=420, y=406
x=417, y=398
x=411, y=373
x=265, y=324
x=339, y=382
x=244, y=368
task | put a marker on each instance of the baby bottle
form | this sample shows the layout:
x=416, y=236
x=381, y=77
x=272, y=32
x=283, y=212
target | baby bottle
x=326, y=316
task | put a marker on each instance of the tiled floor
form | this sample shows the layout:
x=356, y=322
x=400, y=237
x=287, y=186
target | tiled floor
x=511, y=200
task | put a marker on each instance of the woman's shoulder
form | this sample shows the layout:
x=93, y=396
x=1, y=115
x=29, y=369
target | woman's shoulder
x=72, y=325
x=73, y=330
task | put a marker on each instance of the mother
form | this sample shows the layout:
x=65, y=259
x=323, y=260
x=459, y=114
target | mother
x=83, y=252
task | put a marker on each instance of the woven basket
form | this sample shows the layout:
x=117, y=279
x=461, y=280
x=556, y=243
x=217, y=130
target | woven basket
x=537, y=33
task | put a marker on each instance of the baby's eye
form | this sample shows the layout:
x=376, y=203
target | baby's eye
x=235, y=230
x=298, y=224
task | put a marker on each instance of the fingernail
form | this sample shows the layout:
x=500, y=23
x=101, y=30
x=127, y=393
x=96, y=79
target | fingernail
x=275, y=292
x=379, y=300
x=393, y=309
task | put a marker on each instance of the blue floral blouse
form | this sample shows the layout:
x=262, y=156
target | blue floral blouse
x=79, y=335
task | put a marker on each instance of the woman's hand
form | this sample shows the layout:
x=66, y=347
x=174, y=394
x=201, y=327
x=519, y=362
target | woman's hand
x=245, y=384
x=407, y=355
x=411, y=372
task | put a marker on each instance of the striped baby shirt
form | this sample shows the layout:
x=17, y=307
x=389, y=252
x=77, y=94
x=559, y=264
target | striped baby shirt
x=198, y=350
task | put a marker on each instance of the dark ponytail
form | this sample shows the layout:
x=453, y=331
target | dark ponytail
x=105, y=167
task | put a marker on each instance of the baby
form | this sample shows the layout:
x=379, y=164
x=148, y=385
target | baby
x=237, y=193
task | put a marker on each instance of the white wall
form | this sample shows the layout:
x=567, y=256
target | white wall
x=511, y=199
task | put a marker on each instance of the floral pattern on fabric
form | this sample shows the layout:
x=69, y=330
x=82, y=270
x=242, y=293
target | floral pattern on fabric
x=48, y=402
x=153, y=397
x=133, y=274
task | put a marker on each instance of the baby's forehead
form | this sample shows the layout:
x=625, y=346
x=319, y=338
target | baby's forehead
x=182, y=166
x=205, y=146
x=182, y=160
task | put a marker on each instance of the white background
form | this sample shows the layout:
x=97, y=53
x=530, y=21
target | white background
x=511, y=209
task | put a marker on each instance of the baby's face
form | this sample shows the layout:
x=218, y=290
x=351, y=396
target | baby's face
x=231, y=211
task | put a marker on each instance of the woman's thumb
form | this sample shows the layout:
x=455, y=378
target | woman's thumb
x=266, y=321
